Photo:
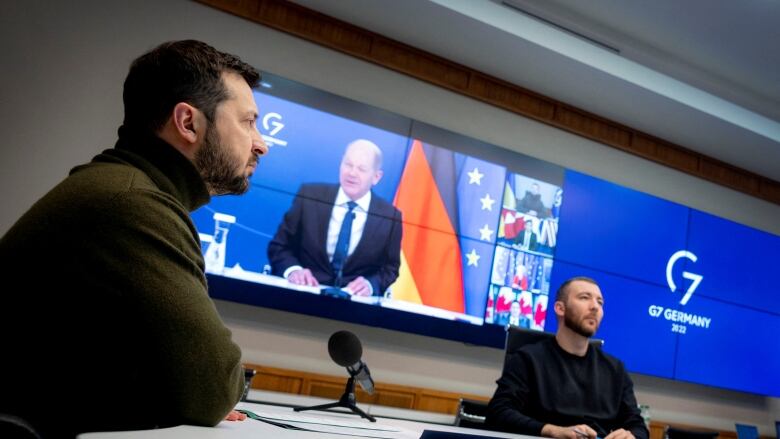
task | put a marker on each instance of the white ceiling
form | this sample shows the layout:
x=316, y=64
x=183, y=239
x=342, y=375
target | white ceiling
x=704, y=74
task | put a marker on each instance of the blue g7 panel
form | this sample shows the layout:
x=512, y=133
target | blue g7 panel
x=618, y=230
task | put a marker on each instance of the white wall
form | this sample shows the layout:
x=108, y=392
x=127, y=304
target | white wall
x=63, y=64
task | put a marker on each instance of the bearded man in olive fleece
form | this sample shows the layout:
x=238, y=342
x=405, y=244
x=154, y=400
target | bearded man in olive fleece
x=114, y=329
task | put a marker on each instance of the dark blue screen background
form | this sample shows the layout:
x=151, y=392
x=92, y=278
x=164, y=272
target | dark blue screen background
x=618, y=230
x=741, y=263
x=739, y=351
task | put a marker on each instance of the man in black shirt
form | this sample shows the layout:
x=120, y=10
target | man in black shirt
x=531, y=203
x=564, y=387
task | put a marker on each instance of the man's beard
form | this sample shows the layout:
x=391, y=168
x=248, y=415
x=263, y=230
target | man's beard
x=577, y=326
x=217, y=167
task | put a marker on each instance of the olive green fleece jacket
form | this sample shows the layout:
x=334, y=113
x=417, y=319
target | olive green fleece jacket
x=105, y=320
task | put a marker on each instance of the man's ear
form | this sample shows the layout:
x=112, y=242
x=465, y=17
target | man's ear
x=186, y=122
x=377, y=176
x=560, y=308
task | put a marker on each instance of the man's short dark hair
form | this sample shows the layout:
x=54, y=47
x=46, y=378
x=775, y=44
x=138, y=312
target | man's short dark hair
x=178, y=71
x=562, y=294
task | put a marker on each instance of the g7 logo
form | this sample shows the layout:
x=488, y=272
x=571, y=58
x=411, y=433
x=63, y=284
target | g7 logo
x=272, y=120
x=696, y=278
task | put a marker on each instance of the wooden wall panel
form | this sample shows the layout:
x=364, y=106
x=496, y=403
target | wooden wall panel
x=431, y=402
x=277, y=380
x=431, y=69
x=391, y=397
x=644, y=146
x=504, y=95
x=364, y=44
x=582, y=123
x=324, y=389
x=678, y=158
x=729, y=175
x=333, y=389
x=769, y=190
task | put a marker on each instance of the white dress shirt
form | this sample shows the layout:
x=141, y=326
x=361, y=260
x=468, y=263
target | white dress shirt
x=337, y=217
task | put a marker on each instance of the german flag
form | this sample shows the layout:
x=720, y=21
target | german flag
x=431, y=271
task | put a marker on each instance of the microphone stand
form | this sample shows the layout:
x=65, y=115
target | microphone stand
x=346, y=401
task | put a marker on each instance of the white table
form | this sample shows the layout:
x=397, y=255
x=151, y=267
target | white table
x=348, y=425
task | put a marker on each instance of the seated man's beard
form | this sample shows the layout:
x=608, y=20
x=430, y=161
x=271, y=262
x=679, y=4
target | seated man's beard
x=217, y=168
x=568, y=320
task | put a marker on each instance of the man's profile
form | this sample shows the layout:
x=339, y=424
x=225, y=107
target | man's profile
x=112, y=312
x=564, y=387
x=342, y=235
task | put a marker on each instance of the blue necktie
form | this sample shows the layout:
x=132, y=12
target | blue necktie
x=342, y=244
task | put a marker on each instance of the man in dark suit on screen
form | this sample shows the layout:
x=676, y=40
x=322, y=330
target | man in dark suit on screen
x=527, y=239
x=341, y=234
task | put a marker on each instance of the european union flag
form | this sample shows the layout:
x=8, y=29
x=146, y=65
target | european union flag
x=480, y=191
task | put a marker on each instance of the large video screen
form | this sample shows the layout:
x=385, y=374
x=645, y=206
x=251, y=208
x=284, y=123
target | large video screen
x=367, y=216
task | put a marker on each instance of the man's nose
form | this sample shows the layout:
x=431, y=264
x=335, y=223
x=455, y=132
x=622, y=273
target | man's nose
x=259, y=146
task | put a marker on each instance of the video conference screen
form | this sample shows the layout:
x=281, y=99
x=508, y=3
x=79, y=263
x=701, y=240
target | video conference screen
x=454, y=238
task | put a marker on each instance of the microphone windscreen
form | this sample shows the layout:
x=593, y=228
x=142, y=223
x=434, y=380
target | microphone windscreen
x=344, y=348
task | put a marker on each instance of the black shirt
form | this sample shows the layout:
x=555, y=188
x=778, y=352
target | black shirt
x=543, y=384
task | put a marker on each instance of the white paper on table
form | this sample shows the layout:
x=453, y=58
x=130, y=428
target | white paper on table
x=329, y=424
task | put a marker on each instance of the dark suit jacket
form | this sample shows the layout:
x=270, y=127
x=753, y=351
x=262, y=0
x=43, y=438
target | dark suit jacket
x=532, y=241
x=302, y=239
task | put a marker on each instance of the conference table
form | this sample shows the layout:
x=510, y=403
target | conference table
x=281, y=422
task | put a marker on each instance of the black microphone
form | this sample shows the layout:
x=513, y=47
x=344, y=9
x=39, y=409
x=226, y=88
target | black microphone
x=336, y=291
x=345, y=349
